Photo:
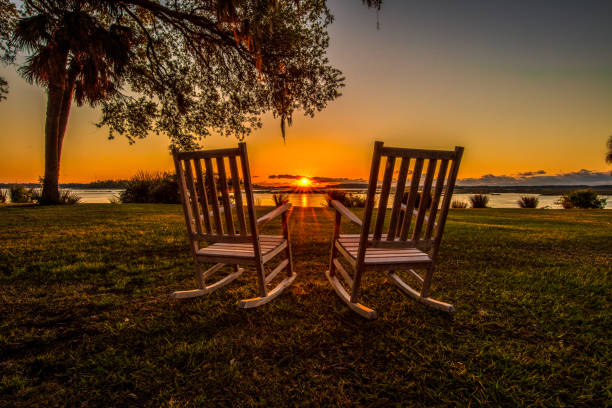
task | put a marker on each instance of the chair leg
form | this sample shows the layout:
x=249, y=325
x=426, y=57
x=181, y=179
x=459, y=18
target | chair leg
x=201, y=279
x=199, y=275
x=261, y=279
x=358, y=308
x=285, y=220
x=334, y=251
x=284, y=284
x=332, y=266
x=266, y=296
x=342, y=293
x=356, y=283
x=427, y=282
x=423, y=295
x=289, y=259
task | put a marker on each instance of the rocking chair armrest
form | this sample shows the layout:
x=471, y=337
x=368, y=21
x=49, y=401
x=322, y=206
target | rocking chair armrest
x=339, y=207
x=274, y=213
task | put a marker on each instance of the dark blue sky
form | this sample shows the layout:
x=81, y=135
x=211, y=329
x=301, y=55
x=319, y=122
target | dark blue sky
x=523, y=85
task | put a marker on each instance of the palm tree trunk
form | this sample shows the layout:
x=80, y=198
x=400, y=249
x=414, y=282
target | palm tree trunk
x=55, y=96
x=65, y=111
x=50, y=193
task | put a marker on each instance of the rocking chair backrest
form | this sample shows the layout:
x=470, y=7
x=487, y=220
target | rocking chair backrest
x=204, y=182
x=424, y=176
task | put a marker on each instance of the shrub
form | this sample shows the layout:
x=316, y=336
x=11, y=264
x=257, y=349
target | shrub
x=346, y=198
x=356, y=200
x=20, y=194
x=36, y=194
x=459, y=204
x=528, y=202
x=147, y=187
x=280, y=199
x=69, y=197
x=479, y=200
x=3, y=196
x=582, y=199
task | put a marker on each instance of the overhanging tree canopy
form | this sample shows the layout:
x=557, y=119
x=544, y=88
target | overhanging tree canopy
x=8, y=18
x=186, y=68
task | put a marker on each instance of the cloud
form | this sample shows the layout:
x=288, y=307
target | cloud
x=284, y=176
x=540, y=178
x=317, y=179
x=532, y=173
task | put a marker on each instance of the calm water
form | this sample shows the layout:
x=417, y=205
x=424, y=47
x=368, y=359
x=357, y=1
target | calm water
x=503, y=200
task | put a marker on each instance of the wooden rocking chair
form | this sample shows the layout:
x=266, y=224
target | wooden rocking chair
x=228, y=244
x=402, y=247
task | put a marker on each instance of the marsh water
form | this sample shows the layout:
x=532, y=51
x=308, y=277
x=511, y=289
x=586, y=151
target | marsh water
x=501, y=200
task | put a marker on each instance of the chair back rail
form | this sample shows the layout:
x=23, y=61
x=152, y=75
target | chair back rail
x=204, y=187
x=424, y=186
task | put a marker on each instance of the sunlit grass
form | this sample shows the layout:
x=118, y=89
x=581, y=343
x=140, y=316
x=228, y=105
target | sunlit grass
x=86, y=319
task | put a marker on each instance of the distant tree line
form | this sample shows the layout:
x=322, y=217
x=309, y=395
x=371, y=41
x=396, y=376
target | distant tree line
x=98, y=184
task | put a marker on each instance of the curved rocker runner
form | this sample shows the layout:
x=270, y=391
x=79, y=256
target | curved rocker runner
x=229, y=241
x=405, y=246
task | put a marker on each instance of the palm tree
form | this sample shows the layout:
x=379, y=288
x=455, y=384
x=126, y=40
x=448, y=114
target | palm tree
x=75, y=57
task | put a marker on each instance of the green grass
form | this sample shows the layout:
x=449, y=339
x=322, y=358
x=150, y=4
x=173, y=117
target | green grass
x=86, y=320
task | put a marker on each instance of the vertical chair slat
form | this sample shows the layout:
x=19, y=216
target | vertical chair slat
x=227, y=206
x=433, y=211
x=248, y=189
x=237, y=194
x=367, y=219
x=203, y=196
x=397, y=202
x=384, y=197
x=210, y=178
x=414, y=189
x=193, y=195
x=180, y=177
x=450, y=185
x=425, y=194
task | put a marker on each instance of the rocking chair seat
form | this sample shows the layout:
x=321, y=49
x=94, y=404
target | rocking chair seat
x=390, y=256
x=270, y=244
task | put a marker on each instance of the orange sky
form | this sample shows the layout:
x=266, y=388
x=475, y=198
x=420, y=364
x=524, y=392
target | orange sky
x=514, y=103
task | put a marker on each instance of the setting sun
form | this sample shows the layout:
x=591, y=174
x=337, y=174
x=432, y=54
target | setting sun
x=304, y=182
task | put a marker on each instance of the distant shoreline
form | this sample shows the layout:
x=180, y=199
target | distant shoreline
x=543, y=190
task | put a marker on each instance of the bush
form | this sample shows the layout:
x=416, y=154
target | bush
x=356, y=200
x=479, y=200
x=528, y=202
x=36, y=194
x=346, y=198
x=115, y=199
x=68, y=197
x=280, y=199
x=458, y=204
x=3, y=196
x=147, y=187
x=20, y=194
x=582, y=199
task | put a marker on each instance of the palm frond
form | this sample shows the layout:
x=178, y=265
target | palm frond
x=32, y=32
x=36, y=67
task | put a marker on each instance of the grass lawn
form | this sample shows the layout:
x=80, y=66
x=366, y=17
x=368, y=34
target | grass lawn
x=86, y=320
